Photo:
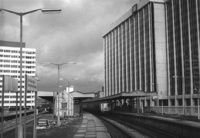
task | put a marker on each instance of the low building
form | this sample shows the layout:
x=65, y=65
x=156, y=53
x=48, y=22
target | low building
x=64, y=104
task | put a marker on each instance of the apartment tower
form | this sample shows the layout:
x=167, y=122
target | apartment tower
x=10, y=66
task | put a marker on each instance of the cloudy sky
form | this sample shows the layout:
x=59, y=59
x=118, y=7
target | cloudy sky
x=73, y=35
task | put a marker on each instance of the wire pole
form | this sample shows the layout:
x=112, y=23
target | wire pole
x=35, y=117
x=58, y=118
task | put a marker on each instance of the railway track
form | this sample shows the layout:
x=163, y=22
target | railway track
x=134, y=130
x=11, y=123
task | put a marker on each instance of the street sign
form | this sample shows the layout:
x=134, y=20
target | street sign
x=10, y=84
x=31, y=83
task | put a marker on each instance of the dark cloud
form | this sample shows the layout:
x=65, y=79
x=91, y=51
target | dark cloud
x=73, y=35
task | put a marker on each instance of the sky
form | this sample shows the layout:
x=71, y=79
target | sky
x=73, y=35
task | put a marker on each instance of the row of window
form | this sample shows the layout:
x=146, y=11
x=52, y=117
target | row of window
x=15, y=96
x=18, y=87
x=14, y=76
x=14, y=56
x=16, y=51
x=16, y=66
x=14, y=71
x=16, y=61
x=6, y=92
x=18, y=102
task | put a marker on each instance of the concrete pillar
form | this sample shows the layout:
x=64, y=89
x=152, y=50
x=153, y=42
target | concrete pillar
x=132, y=104
x=120, y=102
x=151, y=101
x=142, y=105
x=110, y=105
x=125, y=104
x=114, y=105
x=145, y=102
x=138, y=104
x=81, y=107
x=169, y=102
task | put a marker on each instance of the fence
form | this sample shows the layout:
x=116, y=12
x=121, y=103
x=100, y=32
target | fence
x=180, y=110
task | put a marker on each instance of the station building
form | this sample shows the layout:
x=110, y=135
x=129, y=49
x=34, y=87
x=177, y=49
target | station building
x=10, y=66
x=155, y=47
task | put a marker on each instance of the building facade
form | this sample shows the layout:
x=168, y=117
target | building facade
x=10, y=66
x=155, y=47
x=183, y=51
x=64, y=103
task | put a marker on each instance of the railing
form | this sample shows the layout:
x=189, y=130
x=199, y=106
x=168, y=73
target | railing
x=179, y=110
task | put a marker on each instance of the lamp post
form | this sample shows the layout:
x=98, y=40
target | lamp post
x=59, y=65
x=35, y=114
x=21, y=14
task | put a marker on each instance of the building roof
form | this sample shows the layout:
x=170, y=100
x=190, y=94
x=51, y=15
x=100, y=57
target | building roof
x=83, y=92
x=124, y=94
x=11, y=44
x=77, y=94
x=45, y=93
x=137, y=5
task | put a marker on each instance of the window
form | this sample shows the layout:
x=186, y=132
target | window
x=7, y=71
x=13, y=66
x=6, y=50
x=6, y=65
x=6, y=55
x=13, y=61
x=14, y=51
x=7, y=61
x=13, y=71
x=14, y=56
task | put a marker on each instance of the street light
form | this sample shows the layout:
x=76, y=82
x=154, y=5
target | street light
x=59, y=65
x=35, y=113
x=21, y=14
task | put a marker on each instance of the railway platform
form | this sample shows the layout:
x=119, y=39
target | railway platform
x=91, y=127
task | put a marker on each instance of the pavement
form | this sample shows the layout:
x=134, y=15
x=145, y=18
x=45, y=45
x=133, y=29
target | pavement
x=91, y=127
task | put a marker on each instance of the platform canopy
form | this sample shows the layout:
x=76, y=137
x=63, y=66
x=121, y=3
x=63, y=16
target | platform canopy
x=125, y=95
x=47, y=95
x=85, y=95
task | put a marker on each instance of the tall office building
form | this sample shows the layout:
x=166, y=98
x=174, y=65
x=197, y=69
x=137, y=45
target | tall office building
x=154, y=47
x=183, y=51
x=10, y=66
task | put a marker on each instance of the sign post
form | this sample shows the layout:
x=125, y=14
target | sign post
x=31, y=85
x=8, y=84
